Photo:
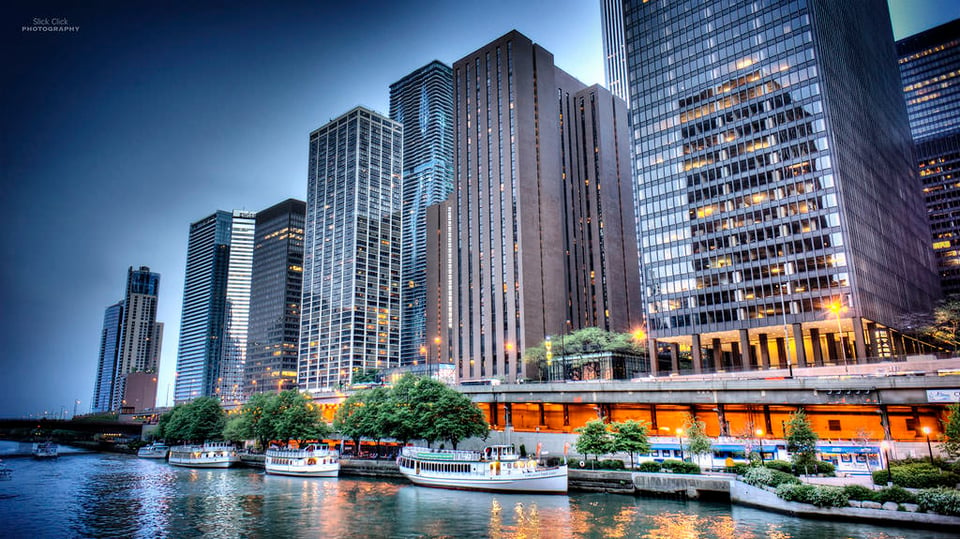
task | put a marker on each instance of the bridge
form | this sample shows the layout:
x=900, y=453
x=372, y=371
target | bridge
x=90, y=427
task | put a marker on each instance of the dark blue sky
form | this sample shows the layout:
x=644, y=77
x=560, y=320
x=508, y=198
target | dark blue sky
x=154, y=115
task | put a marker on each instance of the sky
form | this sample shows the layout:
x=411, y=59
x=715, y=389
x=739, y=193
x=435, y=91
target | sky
x=153, y=115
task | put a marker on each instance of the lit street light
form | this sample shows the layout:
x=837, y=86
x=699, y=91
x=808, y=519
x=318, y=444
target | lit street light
x=926, y=432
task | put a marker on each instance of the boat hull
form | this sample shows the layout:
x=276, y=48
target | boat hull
x=303, y=471
x=202, y=463
x=155, y=456
x=542, y=483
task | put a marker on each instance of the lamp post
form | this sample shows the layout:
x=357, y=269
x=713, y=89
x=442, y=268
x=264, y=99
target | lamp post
x=760, y=438
x=885, y=446
x=836, y=307
x=926, y=432
x=680, y=441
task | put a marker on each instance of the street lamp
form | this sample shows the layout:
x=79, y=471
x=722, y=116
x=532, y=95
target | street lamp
x=836, y=307
x=680, y=441
x=926, y=432
x=885, y=446
x=760, y=438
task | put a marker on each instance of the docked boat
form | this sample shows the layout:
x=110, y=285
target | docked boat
x=156, y=450
x=311, y=461
x=46, y=450
x=497, y=468
x=208, y=455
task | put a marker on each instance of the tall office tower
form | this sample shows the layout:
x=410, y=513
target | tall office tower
x=275, y=291
x=773, y=157
x=107, y=365
x=216, y=300
x=536, y=246
x=930, y=72
x=139, y=347
x=350, y=320
x=423, y=102
x=614, y=49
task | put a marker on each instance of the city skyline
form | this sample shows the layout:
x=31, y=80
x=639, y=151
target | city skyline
x=166, y=120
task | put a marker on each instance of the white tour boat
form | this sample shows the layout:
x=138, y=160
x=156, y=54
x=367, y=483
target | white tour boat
x=156, y=450
x=311, y=461
x=497, y=468
x=208, y=455
x=46, y=450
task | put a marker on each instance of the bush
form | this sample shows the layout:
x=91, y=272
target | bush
x=895, y=494
x=860, y=492
x=678, y=466
x=739, y=468
x=827, y=469
x=820, y=496
x=917, y=475
x=610, y=464
x=760, y=477
x=943, y=501
x=779, y=465
x=649, y=466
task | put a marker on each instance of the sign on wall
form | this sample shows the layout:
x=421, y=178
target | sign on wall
x=943, y=395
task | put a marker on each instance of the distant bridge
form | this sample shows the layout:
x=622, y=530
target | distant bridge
x=91, y=427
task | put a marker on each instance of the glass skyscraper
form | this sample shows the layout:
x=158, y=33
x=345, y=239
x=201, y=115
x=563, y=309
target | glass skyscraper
x=216, y=299
x=107, y=364
x=350, y=321
x=275, y=291
x=423, y=102
x=930, y=71
x=777, y=204
x=139, y=335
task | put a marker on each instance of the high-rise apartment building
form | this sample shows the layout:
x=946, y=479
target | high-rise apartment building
x=216, y=300
x=529, y=245
x=350, y=321
x=423, y=102
x=930, y=72
x=107, y=364
x=139, y=335
x=275, y=291
x=777, y=203
x=614, y=49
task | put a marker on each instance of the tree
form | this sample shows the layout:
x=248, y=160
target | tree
x=197, y=421
x=594, y=439
x=951, y=431
x=238, y=428
x=630, y=437
x=454, y=417
x=363, y=415
x=698, y=443
x=801, y=442
x=291, y=416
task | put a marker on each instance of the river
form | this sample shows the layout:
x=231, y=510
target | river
x=110, y=495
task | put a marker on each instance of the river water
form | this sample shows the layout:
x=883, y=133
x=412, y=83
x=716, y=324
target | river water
x=109, y=495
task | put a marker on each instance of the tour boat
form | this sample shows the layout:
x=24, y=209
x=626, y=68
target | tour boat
x=156, y=450
x=311, y=461
x=497, y=468
x=208, y=455
x=46, y=450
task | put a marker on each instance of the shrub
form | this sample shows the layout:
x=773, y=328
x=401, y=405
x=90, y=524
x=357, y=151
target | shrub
x=820, y=496
x=944, y=501
x=796, y=492
x=825, y=468
x=895, y=494
x=860, y=492
x=610, y=464
x=759, y=477
x=678, y=466
x=649, y=466
x=779, y=465
x=917, y=475
x=739, y=468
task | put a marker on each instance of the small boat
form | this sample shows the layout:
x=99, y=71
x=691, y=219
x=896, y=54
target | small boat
x=156, y=450
x=497, y=468
x=6, y=474
x=311, y=461
x=46, y=450
x=208, y=455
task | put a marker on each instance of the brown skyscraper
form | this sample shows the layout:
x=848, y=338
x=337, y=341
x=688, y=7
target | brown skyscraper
x=531, y=245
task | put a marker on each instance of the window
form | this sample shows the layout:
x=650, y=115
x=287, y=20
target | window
x=833, y=424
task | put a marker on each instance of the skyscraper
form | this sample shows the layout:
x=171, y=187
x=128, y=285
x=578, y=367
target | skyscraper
x=532, y=246
x=930, y=71
x=107, y=364
x=216, y=299
x=614, y=49
x=423, y=102
x=350, y=320
x=139, y=340
x=775, y=181
x=275, y=291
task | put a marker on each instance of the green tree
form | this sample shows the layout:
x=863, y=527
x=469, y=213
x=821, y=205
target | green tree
x=298, y=418
x=594, y=439
x=951, y=431
x=238, y=428
x=698, y=443
x=944, y=325
x=630, y=437
x=197, y=421
x=454, y=417
x=362, y=415
x=801, y=442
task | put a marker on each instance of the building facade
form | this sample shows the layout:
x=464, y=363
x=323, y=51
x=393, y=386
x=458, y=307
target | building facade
x=107, y=364
x=930, y=73
x=614, y=49
x=216, y=300
x=520, y=248
x=777, y=211
x=139, y=335
x=423, y=102
x=350, y=321
x=275, y=291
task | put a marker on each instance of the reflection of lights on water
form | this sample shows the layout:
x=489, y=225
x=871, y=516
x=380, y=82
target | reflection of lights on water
x=684, y=526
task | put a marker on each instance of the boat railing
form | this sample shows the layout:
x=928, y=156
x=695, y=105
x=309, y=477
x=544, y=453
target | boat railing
x=300, y=453
x=426, y=453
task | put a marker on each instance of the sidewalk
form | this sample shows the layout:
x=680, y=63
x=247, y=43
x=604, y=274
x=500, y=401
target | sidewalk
x=864, y=480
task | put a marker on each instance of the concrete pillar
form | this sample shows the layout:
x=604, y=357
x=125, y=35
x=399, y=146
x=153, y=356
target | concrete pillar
x=543, y=418
x=566, y=415
x=696, y=353
x=722, y=421
x=654, y=354
x=833, y=353
x=717, y=356
x=764, y=352
x=675, y=358
x=781, y=353
x=798, y=345
x=507, y=415
x=873, y=343
x=653, y=419
x=815, y=346
x=767, y=423
x=859, y=343
x=734, y=364
x=896, y=344
x=745, y=349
